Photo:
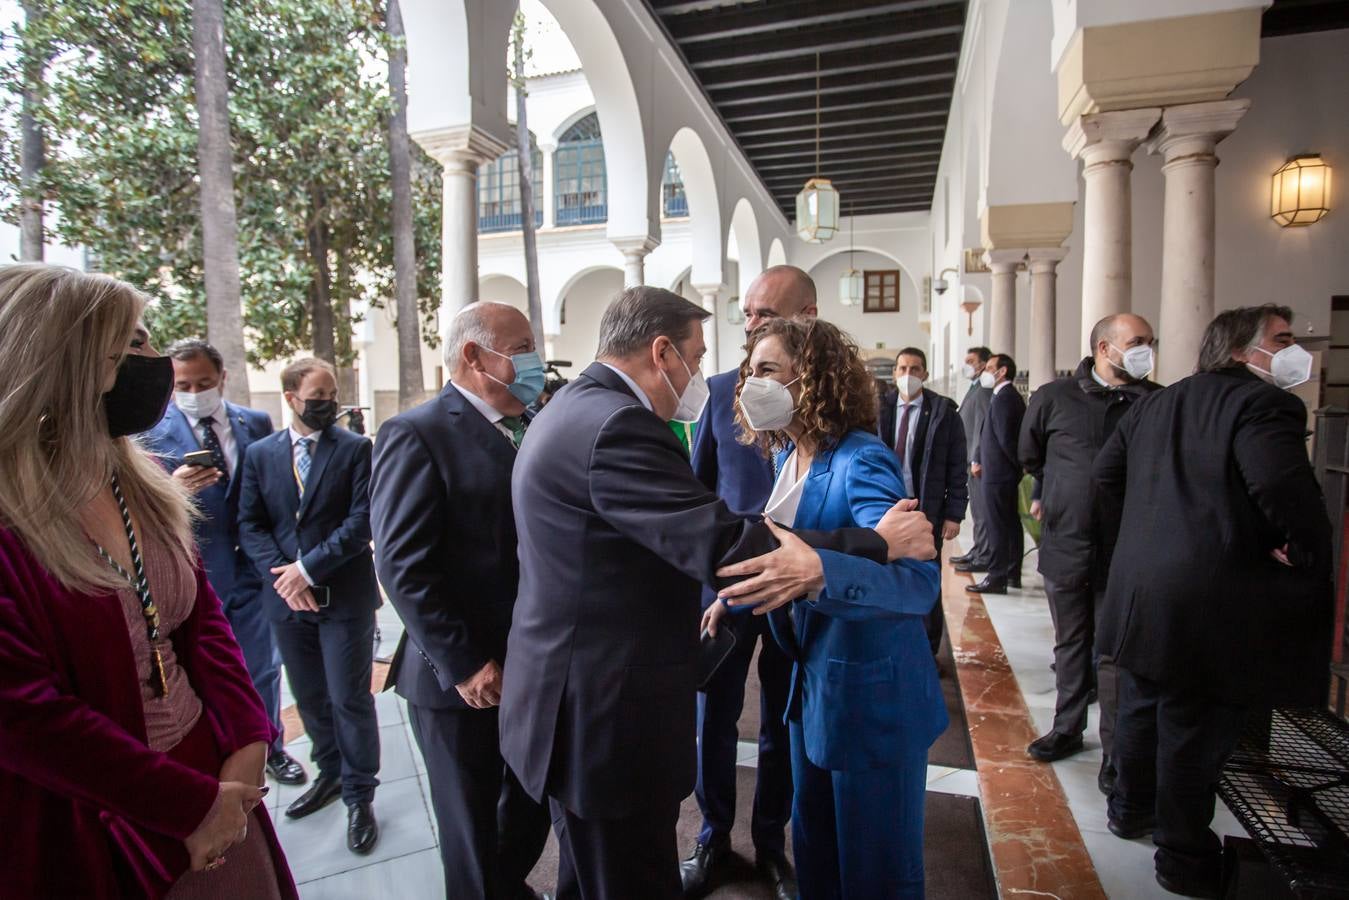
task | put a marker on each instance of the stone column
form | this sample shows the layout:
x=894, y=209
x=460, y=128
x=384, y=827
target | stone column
x=634, y=252
x=1044, y=262
x=1186, y=140
x=711, y=325
x=1002, y=306
x=545, y=194
x=1105, y=142
x=459, y=151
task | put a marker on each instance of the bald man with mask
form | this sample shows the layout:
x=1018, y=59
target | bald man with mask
x=744, y=478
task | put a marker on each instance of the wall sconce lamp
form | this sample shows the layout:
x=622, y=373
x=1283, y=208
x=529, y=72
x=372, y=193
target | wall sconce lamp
x=970, y=304
x=1300, y=193
x=734, y=314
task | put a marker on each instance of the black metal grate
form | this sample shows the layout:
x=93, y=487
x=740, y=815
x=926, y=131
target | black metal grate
x=1288, y=784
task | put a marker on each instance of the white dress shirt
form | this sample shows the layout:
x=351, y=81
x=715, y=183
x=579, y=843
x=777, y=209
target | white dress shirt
x=785, y=499
x=489, y=412
x=999, y=386
x=295, y=437
x=223, y=432
x=641, y=394
x=916, y=402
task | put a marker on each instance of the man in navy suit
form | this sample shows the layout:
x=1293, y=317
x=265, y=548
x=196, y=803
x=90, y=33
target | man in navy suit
x=925, y=432
x=304, y=519
x=445, y=535
x=998, y=467
x=743, y=477
x=199, y=419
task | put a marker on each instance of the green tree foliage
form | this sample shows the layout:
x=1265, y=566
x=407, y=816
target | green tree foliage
x=308, y=109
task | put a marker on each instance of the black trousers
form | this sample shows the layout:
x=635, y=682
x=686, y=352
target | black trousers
x=718, y=714
x=1074, y=607
x=1006, y=537
x=328, y=664
x=491, y=832
x=1170, y=746
x=617, y=859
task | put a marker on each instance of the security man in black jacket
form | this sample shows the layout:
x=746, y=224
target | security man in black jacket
x=1065, y=426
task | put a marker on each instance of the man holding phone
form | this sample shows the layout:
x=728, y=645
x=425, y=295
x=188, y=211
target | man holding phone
x=304, y=518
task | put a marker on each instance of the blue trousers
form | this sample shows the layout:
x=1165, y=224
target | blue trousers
x=858, y=835
x=253, y=630
x=718, y=714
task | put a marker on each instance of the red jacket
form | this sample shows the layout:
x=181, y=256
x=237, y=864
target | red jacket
x=94, y=812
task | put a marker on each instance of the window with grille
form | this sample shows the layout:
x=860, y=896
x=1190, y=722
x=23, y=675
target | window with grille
x=673, y=201
x=881, y=293
x=499, y=192
x=580, y=186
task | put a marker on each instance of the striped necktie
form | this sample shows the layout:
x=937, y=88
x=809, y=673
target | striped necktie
x=303, y=461
x=516, y=424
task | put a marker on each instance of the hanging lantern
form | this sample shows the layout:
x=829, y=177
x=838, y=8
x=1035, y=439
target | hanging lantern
x=850, y=282
x=817, y=204
x=1300, y=194
x=734, y=314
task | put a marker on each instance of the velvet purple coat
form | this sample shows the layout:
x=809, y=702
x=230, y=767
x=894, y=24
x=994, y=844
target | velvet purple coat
x=91, y=810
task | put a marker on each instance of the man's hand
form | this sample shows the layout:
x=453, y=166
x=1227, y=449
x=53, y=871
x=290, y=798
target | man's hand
x=483, y=690
x=976, y=470
x=950, y=530
x=245, y=765
x=197, y=478
x=712, y=617
x=793, y=570
x=293, y=588
x=302, y=601
x=1280, y=555
x=907, y=532
x=1036, y=510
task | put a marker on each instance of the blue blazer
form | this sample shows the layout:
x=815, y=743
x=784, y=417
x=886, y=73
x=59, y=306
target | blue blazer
x=227, y=567
x=739, y=474
x=864, y=686
x=329, y=530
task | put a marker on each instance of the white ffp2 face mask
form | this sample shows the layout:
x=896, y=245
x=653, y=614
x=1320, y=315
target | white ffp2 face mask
x=200, y=404
x=909, y=386
x=987, y=379
x=1137, y=362
x=766, y=404
x=1288, y=368
x=694, y=398
x=968, y=371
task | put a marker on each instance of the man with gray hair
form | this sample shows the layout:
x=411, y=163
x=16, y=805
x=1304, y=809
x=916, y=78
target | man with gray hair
x=615, y=536
x=445, y=552
x=1219, y=598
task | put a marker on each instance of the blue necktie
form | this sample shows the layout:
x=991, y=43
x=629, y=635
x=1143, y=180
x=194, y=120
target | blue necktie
x=210, y=442
x=303, y=460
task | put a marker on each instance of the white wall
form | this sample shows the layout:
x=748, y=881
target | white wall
x=586, y=302
x=888, y=330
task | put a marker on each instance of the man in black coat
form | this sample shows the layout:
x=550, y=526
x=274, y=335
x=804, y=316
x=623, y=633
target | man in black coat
x=925, y=431
x=1066, y=424
x=445, y=542
x=998, y=471
x=304, y=520
x=616, y=533
x=973, y=411
x=1219, y=599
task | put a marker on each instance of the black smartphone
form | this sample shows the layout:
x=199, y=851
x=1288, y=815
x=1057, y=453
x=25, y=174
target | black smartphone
x=323, y=595
x=712, y=652
x=201, y=458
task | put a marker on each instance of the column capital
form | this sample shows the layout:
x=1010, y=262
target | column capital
x=1109, y=136
x=461, y=146
x=1002, y=261
x=705, y=289
x=1042, y=260
x=1195, y=129
x=635, y=246
x=547, y=146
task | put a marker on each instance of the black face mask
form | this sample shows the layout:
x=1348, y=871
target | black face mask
x=319, y=414
x=140, y=394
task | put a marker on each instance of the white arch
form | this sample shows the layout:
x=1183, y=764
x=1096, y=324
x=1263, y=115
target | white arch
x=700, y=187
x=571, y=120
x=450, y=46
x=749, y=250
x=625, y=152
x=574, y=279
x=777, y=254
x=905, y=273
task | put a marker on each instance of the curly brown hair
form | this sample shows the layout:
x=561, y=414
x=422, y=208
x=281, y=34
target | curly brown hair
x=836, y=389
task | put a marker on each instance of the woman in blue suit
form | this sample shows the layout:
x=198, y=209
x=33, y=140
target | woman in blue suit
x=865, y=704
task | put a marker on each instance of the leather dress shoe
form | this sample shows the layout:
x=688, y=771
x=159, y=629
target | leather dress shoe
x=987, y=586
x=1130, y=830
x=284, y=769
x=775, y=869
x=1105, y=779
x=975, y=566
x=1191, y=887
x=696, y=872
x=362, y=829
x=324, y=790
x=1054, y=746
x=1014, y=581
x=962, y=558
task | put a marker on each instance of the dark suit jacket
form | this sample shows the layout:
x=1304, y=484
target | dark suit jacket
x=329, y=531
x=615, y=535
x=739, y=474
x=227, y=566
x=940, y=461
x=997, y=451
x=1213, y=474
x=973, y=411
x=445, y=544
